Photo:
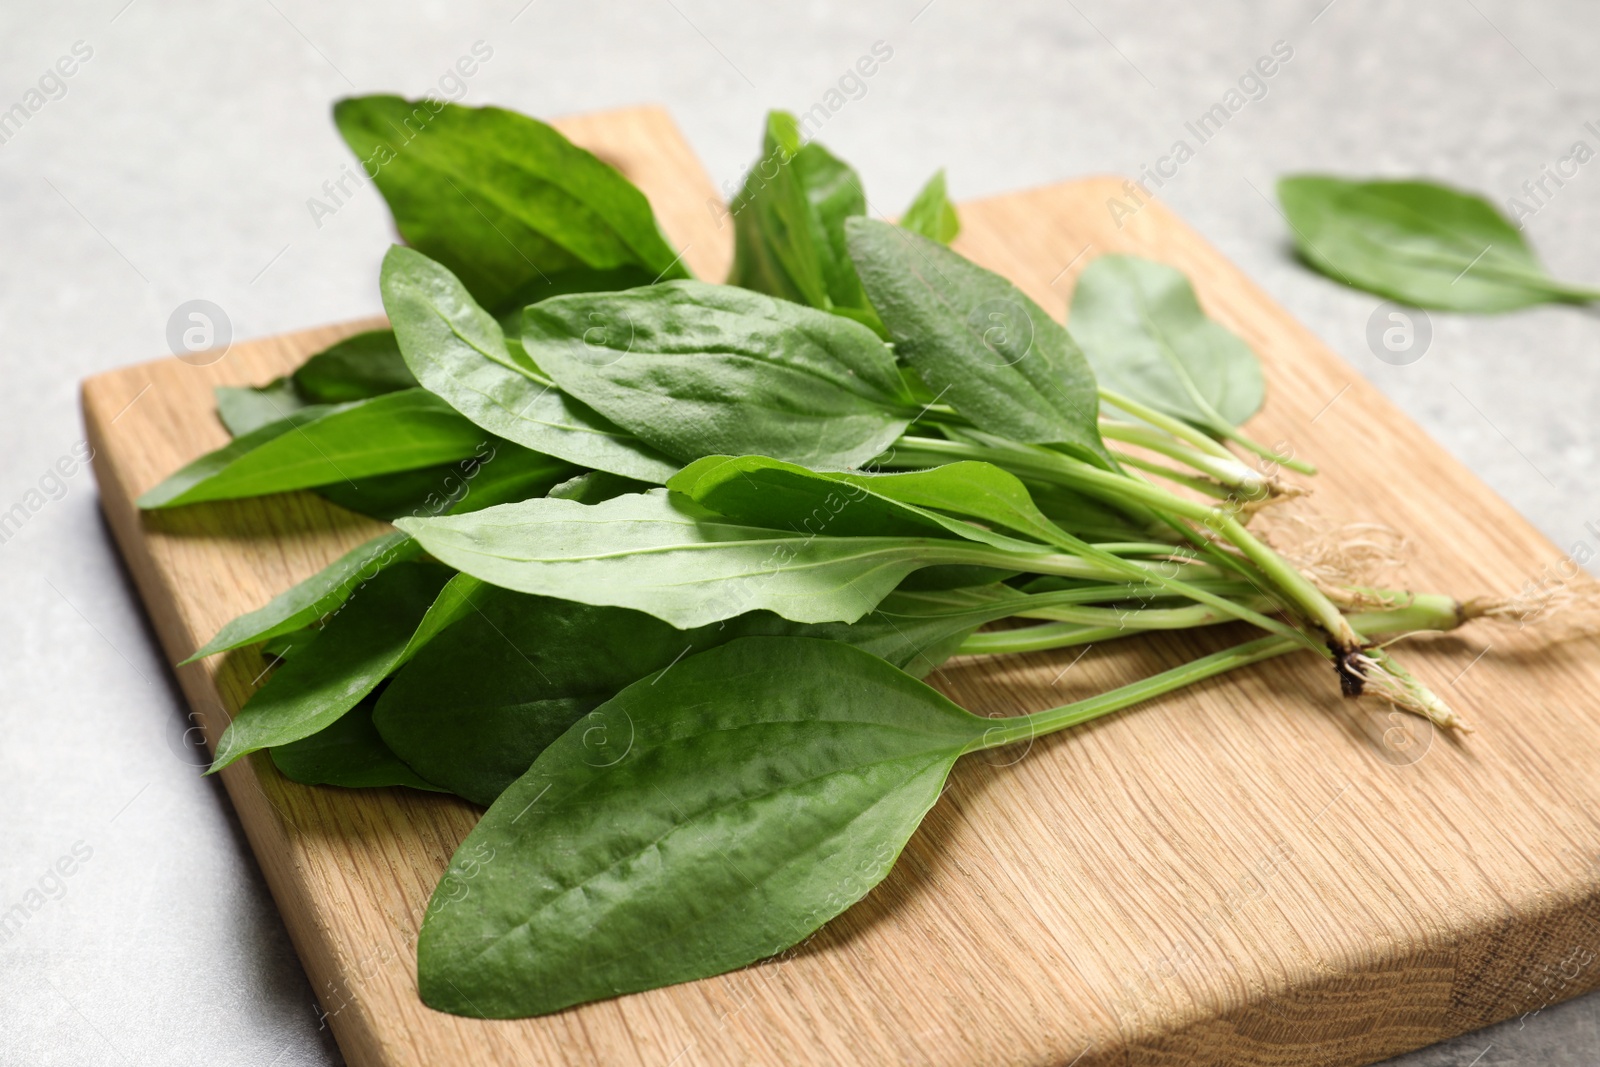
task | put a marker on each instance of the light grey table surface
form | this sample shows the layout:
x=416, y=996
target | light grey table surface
x=177, y=161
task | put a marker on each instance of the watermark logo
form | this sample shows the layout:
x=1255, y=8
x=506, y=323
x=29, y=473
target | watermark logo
x=339, y=190
x=1399, y=335
x=51, y=86
x=607, y=337
x=1252, y=86
x=50, y=886
x=199, y=332
x=607, y=736
x=1005, y=330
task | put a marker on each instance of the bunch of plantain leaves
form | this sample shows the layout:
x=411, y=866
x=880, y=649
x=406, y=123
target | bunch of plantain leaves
x=670, y=556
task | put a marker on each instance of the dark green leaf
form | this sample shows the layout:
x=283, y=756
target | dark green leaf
x=1417, y=242
x=474, y=708
x=322, y=444
x=789, y=218
x=498, y=473
x=979, y=491
x=394, y=615
x=778, y=241
x=978, y=341
x=1142, y=329
x=931, y=213
x=594, y=487
x=833, y=191
x=282, y=646
x=457, y=350
x=348, y=753
x=695, y=369
x=358, y=368
x=770, y=492
x=665, y=555
x=505, y=202
x=361, y=366
x=313, y=598
x=740, y=799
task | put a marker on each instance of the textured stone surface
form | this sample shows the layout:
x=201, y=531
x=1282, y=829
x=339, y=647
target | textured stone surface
x=178, y=163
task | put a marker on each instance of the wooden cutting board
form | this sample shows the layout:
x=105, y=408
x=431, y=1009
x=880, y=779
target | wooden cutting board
x=1251, y=871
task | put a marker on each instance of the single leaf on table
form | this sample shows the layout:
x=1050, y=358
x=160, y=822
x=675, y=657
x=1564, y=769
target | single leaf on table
x=743, y=797
x=298, y=607
x=931, y=214
x=476, y=706
x=322, y=444
x=504, y=201
x=347, y=753
x=395, y=614
x=457, y=350
x=694, y=369
x=978, y=341
x=1417, y=242
x=665, y=555
x=1144, y=333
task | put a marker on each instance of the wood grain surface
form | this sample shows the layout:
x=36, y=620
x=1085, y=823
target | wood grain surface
x=1251, y=871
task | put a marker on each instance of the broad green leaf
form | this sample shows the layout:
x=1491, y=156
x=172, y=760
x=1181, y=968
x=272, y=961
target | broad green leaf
x=789, y=221
x=833, y=190
x=978, y=341
x=358, y=368
x=504, y=201
x=361, y=366
x=322, y=444
x=1417, y=242
x=973, y=490
x=594, y=487
x=474, y=708
x=770, y=492
x=778, y=246
x=498, y=473
x=1142, y=329
x=931, y=213
x=740, y=799
x=245, y=409
x=376, y=631
x=347, y=753
x=457, y=350
x=695, y=369
x=665, y=555
x=1084, y=516
x=313, y=598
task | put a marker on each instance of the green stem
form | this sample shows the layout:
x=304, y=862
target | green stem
x=1161, y=421
x=1299, y=465
x=1071, y=622
x=1189, y=481
x=1044, y=638
x=1105, y=483
x=1040, y=723
x=1227, y=469
x=1186, y=432
x=1432, y=612
x=1100, y=483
